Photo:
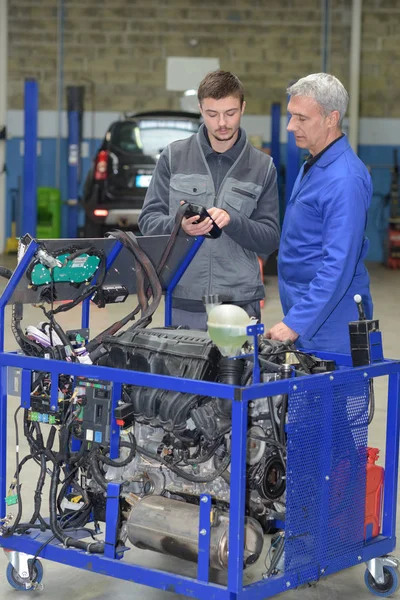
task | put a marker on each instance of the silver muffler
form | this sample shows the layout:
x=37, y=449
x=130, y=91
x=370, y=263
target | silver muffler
x=172, y=527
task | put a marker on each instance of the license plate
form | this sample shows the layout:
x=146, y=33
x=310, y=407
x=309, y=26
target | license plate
x=143, y=181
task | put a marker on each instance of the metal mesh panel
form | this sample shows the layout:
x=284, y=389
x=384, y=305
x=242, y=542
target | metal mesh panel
x=326, y=467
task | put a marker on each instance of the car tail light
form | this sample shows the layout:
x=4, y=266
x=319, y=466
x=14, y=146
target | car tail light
x=100, y=212
x=100, y=169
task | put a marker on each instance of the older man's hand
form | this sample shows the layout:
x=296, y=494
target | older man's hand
x=282, y=333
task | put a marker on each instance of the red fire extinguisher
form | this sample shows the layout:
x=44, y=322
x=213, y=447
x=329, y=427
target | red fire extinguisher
x=374, y=495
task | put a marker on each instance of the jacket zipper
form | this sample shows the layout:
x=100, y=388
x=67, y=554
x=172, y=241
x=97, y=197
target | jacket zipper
x=244, y=193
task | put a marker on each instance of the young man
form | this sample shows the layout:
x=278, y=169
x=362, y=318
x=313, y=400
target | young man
x=321, y=257
x=219, y=169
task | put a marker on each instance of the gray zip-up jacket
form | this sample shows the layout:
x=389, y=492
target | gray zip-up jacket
x=227, y=266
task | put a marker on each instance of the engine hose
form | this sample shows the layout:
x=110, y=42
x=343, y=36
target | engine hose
x=97, y=474
x=231, y=370
x=123, y=463
x=225, y=474
x=282, y=423
x=27, y=346
x=75, y=458
x=38, y=491
x=143, y=265
x=6, y=273
x=152, y=282
x=274, y=428
x=202, y=459
x=92, y=547
x=193, y=478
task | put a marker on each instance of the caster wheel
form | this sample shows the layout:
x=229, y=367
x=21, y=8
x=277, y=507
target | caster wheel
x=19, y=583
x=388, y=587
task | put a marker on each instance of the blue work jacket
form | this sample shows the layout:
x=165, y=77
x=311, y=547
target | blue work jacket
x=323, y=246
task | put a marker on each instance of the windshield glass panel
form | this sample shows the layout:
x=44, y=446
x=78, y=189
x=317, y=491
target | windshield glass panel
x=127, y=137
x=157, y=134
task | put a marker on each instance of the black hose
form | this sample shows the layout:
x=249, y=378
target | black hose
x=282, y=421
x=274, y=427
x=92, y=547
x=96, y=473
x=123, y=463
x=6, y=273
x=193, y=478
x=38, y=491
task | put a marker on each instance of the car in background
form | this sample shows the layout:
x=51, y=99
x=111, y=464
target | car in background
x=116, y=185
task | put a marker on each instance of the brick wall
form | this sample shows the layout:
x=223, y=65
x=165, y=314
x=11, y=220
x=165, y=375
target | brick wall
x=118, y=48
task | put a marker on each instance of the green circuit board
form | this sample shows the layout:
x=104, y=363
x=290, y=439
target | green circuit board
x=77, y=271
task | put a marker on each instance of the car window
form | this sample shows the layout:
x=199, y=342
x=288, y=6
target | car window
x=127, y=137
x=155, y=134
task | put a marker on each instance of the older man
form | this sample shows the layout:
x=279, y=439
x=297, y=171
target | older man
x=323, y=247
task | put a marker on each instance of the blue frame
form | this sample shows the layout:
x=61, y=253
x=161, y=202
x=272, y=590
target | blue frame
x=110, y=563
x=31, y=101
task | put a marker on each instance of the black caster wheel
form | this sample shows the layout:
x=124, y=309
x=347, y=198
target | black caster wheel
x=388, y=587
x=19, y=583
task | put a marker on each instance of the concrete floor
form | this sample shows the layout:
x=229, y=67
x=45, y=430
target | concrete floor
x=63, y=582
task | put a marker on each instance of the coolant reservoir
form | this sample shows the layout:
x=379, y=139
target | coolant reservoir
x=227, y=326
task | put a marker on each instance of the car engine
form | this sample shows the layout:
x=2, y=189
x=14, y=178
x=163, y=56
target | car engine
x=173, y=447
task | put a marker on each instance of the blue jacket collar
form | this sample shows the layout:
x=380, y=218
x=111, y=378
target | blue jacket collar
x=326, y=159
x=333, y=152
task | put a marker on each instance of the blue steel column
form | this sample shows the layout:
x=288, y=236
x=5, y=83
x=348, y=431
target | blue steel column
x=292, y=163
x=238, y=496
x=112, y=519
x=392, y=457
x=3, y=441
x=4, y=299
x=29, y=212
x=276, y=144
x=73, y=154
x=75, y=109
x=203, y=564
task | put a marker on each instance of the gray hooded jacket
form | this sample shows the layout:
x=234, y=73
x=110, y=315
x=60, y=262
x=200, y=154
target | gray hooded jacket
x=227, y=266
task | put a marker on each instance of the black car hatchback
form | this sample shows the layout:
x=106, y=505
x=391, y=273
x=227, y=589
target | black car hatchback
x=117, y=183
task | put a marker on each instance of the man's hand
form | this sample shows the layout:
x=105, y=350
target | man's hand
x=282, y=333
x=191, y=227
x=220, y=216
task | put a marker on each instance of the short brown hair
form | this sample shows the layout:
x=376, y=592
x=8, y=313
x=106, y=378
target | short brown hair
x=220, y=84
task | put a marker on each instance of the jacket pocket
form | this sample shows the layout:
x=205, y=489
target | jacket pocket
x=189, y=188
x=244, y=193
x=242, y=204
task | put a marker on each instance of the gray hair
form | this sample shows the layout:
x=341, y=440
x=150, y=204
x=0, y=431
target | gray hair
x=325, y=89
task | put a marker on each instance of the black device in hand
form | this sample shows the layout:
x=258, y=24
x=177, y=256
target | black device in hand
x=193, y=210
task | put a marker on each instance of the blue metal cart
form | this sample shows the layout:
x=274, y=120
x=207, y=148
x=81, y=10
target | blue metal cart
x=327, y=437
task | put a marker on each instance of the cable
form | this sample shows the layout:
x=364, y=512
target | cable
x=95, y=548
x=14, y=526
x=125, y=461
x=193, y=478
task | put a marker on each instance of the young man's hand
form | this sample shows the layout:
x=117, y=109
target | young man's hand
x=220, y=216
x=191, y=227
x=281, y=332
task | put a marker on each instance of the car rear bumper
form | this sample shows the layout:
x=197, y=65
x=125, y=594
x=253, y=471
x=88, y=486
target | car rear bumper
x=123, y=217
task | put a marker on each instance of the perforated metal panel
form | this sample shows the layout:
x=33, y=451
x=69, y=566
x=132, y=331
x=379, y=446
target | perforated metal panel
x=327, y=441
